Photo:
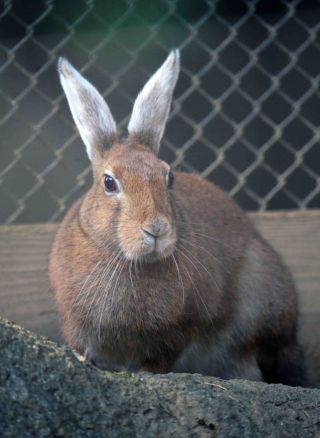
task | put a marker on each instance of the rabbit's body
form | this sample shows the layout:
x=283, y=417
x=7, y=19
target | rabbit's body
x=147, y=278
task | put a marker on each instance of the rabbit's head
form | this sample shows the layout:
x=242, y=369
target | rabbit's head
x=129, y=207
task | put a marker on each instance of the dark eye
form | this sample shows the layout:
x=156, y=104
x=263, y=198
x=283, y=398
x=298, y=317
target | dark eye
x=110, y=184
x=170, y=179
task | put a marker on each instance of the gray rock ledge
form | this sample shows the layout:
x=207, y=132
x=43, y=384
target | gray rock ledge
x=46, y=391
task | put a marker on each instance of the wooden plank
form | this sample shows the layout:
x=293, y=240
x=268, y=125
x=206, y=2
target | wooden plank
x=24, y=288
x=296, y=236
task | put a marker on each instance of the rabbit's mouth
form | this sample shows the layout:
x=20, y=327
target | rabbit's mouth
x=160, y=249
x=151, y=248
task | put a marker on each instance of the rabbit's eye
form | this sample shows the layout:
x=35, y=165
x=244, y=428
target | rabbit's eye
x=170, y=179
x=110, y=184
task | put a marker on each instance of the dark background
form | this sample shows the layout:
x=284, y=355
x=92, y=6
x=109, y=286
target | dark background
x=246, y=112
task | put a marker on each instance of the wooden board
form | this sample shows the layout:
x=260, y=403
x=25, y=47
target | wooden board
x=296, y=236
x=24, y=288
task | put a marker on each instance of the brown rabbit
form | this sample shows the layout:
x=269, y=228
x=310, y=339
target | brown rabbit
x=161, y=271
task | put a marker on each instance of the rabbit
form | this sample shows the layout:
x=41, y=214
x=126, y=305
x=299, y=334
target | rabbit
x=160, y=271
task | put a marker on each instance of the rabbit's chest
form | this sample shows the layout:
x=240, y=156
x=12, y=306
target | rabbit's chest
x=132, y=324
x=136, y=318
x=137, y=305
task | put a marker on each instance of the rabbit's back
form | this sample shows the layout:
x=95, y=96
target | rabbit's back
x=246, y=270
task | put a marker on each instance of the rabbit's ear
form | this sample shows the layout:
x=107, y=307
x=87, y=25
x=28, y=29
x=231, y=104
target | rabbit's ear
x=151, y=108
x=90, y=111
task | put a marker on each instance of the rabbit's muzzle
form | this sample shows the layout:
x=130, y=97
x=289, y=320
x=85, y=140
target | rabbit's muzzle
x=156, y=228
x=152, y=240
x=157, y=236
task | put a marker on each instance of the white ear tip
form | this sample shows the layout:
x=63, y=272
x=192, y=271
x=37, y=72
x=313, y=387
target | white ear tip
x=175, y=55
x=173, y=60
x=64, y=67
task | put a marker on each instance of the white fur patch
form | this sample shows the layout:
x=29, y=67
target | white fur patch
x=151, y=108
x=89, y=109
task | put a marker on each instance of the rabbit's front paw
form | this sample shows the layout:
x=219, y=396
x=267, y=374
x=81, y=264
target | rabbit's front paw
x=95, y=358
x=99, y=360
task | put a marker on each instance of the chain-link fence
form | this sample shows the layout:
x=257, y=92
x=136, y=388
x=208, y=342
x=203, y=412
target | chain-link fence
x=246, y=112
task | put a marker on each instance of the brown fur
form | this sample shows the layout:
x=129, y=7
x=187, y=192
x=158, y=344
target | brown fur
x=151, y=278
x=225, y=292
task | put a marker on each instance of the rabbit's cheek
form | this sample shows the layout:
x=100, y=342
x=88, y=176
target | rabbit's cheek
x=132, y=250
x=166, y=244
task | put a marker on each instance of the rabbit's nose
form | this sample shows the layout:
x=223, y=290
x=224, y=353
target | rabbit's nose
x=156, y=229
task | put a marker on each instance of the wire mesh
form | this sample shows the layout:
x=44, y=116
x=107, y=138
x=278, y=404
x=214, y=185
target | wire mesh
x=246, y=111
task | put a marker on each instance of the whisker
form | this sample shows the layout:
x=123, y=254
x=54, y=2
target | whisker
x=105, y=272
x=196, y=289
x=196, y=246
x=79, y=295
x=179, y=277
x=131, y=280
x=117, y=281
x=103, y=300
x=202, y=265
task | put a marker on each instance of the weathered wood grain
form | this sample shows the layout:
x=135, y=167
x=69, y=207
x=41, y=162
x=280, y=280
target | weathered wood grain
x=24, y=289
x=296, y=236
